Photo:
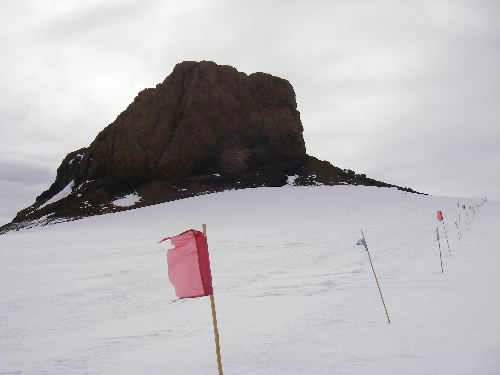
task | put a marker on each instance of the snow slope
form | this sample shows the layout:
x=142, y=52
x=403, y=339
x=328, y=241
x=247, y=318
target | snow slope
x=293, y=293
x=62, y=194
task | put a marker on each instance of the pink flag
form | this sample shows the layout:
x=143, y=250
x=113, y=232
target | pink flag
x=189, y=264
x=440, y=216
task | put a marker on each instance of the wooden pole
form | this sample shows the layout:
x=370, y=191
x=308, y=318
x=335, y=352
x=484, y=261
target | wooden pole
x=460, y=223
x=374, y=274
x=216, y=334
x=214, y=320
x=439, y=246
x=446, y=235
x=458, y=233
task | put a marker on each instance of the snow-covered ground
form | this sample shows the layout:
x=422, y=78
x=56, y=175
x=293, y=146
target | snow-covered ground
x=128, y=200
x=294, y=294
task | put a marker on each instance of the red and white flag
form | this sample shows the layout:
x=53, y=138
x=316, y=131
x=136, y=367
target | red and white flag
x=189, y=264
x=440, y=216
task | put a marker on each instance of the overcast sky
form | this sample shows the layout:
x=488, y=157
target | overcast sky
x=407, y=92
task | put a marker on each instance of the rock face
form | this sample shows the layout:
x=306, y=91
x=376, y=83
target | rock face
x=202, y=118
x=205, y=128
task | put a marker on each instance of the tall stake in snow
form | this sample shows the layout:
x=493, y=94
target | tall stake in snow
x=458, y=233
x=189, y=271
x=363, y=242
x=214, y=320
x=439, y=247
x=441, y=218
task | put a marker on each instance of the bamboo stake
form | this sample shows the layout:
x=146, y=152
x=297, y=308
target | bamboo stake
x=216, y=334
x=458, y=233
x=439, y=246
x=374, y=274
x=460, y=224
x=214, y=320
x=446, y=235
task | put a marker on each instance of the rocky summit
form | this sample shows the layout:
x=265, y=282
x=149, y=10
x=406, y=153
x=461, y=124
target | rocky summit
x=205, y=128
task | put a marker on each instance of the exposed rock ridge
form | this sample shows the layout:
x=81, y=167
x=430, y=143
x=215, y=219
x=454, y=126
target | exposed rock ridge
x=205, y=128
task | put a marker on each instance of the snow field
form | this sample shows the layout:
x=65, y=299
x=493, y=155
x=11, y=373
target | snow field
x=294, y=295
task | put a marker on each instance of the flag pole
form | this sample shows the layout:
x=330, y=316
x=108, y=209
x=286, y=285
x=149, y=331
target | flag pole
x=374, y=274
x=458, y=233
x=214, y=320
x=446, y=235
x=439, y=246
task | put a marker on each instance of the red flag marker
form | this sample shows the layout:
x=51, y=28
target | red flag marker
x=440, y=216
x=189, y=264
x=189, y=271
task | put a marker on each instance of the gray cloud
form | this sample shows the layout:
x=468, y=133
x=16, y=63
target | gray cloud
x=25, y=174
x=403, y=91
x=95, y=18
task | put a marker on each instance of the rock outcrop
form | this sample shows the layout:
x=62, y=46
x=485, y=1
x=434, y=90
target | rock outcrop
x=206, y=128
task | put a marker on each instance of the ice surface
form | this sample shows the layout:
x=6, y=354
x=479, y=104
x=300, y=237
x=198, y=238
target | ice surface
x=128, y=200
x=62, y=194
x=294, y=295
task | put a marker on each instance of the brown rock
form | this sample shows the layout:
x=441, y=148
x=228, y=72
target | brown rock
x=202, y=117
x=205, y=128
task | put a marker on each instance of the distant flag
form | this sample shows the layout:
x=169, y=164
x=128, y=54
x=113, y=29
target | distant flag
x=440, y=216
x=189, y=271
x=362, y=242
